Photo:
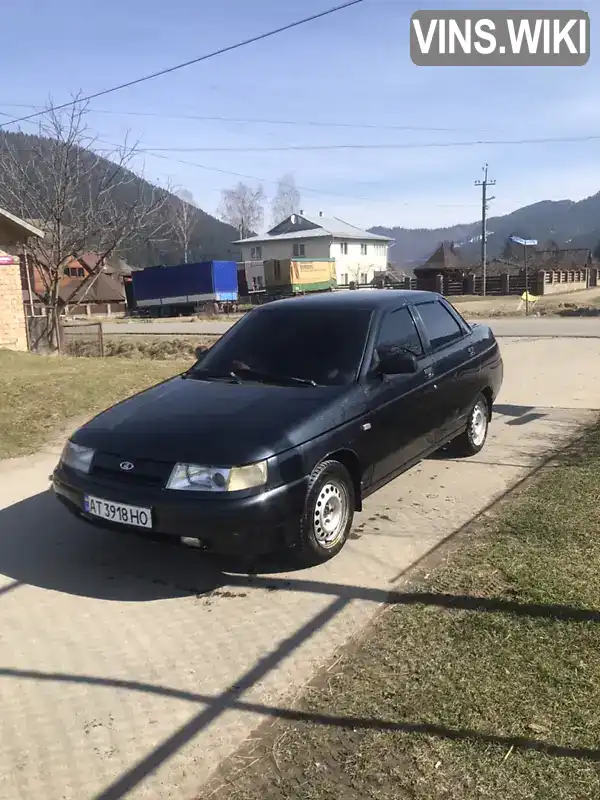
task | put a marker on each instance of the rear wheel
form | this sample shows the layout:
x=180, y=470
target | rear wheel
x=328, y=513
x=472, y=440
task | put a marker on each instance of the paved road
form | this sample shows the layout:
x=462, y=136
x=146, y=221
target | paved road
x=127, y=665
x=503, y=326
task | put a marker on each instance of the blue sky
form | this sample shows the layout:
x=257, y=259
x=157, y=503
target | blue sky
x=352, y=67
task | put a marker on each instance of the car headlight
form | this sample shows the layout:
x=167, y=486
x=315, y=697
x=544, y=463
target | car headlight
x=77, y=457
x=196, y=478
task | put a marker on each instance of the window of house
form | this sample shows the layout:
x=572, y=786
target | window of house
x=256, y=253
x=440, y=325
x=67, y=271
x=80, y=272
x=299, y=250
x=277, y=270
x=344, y=278
x=344, y=248
x=363, y=249
x=364, y=278
x=257, y=282
x=398, y=330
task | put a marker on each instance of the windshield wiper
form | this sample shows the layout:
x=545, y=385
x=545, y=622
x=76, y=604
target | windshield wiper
x=268, y=377
x=207, y=375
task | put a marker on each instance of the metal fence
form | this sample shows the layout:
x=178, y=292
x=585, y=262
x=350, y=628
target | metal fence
x=83, y=340
x=37, y=334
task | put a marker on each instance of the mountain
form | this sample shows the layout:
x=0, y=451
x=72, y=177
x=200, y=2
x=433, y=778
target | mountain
x=209, y=238
x=576, y=224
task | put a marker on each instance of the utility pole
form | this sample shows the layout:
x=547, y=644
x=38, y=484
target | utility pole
x=484, y=209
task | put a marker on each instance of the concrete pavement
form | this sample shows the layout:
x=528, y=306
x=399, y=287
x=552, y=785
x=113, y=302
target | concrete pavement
x=129, y=668
x=502, y=326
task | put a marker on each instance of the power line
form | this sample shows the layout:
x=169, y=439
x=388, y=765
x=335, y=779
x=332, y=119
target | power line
x=375, y=146
x=300, y=188
x=254, y=120
x=189, y=63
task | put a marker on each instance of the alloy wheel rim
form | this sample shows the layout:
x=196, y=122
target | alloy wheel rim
x=330, y=515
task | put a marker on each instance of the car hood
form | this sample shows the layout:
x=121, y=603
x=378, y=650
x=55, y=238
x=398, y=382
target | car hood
x=214, y=422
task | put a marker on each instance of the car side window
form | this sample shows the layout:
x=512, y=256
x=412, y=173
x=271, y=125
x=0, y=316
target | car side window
x=398, y=330
x=440, y=325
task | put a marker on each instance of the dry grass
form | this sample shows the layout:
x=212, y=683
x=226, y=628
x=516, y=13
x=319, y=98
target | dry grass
x=39, y=394
x=484, y=685
x=139, y=346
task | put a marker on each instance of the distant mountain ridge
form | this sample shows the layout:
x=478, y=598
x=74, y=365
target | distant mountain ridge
x=209, y=239
x=566, y=222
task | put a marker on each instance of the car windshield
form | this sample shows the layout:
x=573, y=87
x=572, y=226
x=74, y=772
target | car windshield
x=300, y=345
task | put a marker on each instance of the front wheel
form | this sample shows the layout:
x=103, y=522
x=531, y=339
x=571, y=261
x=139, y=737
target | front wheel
x=471, y=441
x=328, y=513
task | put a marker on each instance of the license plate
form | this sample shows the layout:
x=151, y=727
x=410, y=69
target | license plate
x=118, y=512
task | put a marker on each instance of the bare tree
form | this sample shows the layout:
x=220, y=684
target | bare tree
x=183, y=220
x=287, y=199
x=85, y=203
x=243, y=208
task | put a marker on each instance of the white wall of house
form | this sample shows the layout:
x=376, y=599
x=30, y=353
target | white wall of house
x=354, y=260
x=313, y=248
x=358, y=261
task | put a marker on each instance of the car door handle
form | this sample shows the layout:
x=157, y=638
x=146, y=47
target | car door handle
x=428, y=372
x=471, y=350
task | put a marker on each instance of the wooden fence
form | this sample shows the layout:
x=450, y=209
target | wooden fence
x=539, y=283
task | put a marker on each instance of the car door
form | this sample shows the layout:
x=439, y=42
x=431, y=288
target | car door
x=398, y=406
x=455, y=364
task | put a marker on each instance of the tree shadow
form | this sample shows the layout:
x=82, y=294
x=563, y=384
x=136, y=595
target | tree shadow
x=213, y=706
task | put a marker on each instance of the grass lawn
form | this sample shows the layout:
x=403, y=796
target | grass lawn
x=39, y=394
x=486, y=684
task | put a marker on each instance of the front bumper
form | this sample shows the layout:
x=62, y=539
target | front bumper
x=251, y=524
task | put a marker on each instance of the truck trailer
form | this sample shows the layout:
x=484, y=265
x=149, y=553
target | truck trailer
x=186, y=288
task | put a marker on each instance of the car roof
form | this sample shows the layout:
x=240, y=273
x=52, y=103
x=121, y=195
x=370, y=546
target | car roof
x=361, y=298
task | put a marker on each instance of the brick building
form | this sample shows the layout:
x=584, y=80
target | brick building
x=88, y=281
x=13, y=233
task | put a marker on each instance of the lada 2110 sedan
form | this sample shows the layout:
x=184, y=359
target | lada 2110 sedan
x=280, y=431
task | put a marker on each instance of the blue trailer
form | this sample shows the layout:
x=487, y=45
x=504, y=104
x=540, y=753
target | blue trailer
x=185, y=288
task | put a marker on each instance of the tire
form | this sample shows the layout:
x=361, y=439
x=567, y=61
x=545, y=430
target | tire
x=472, y=440
x=321, y=537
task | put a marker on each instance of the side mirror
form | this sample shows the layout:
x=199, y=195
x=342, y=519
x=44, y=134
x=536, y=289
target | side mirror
x=200, y=352
x=398, y=364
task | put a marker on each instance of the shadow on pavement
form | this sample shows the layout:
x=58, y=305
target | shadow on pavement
x=42, y=545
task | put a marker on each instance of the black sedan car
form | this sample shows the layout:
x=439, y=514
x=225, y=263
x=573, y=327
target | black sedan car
x=281, y=430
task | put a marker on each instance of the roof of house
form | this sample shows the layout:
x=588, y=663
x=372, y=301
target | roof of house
x=23, y=225
x=330, y=227
x=444, y=257
x=100, y=288
x=549, y=257
x=116, y=266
